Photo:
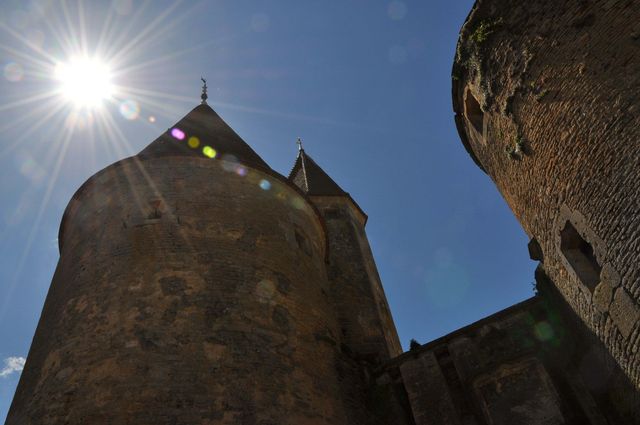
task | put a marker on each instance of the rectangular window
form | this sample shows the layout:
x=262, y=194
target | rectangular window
x=579, y=254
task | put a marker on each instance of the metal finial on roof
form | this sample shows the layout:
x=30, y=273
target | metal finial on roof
x=204, y=96
x=302, y=164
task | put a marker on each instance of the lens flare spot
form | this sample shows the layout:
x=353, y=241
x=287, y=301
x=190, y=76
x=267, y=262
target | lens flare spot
x=229, y=163
x=194, y=142
x=30, y=169
x=297, y=203
x=265, y=290
x=264, y=184
x=13, y=72
x=543, y=331
x=177, y=133
x=130, y=109
x=241, y=171
x=209, y=152
x=152, y=119
x=397, y=10
x=446, y=285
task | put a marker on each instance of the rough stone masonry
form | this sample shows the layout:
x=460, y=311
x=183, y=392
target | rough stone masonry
x=198, y=286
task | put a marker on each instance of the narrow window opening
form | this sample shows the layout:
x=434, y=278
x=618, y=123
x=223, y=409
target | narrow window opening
x=579, y=253
x=473, y=112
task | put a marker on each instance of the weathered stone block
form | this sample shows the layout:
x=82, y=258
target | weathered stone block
x=520, y=393
x=624, y=312
x=428, y=392
x=602, y=296
x=609, y=275
x=535, y=250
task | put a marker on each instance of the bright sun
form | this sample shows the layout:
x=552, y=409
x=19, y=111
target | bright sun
x=86, y=82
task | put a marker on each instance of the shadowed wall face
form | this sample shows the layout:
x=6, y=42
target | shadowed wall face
x=545, y=95
x=186, y=292
x=366, y=324
x=533, y=363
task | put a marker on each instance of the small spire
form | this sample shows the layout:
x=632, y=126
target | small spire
x=302, y=164
x=204, y=96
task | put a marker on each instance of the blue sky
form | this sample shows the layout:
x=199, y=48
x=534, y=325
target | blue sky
x=365, y=83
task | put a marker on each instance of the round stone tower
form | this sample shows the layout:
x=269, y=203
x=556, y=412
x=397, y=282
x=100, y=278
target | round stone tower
x=191, y=288
x=546, y=101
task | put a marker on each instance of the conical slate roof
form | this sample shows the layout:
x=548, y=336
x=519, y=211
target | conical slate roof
x=210, y=130
x=312, y=179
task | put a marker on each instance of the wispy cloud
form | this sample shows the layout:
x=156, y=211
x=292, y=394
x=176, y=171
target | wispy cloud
x=11, y=365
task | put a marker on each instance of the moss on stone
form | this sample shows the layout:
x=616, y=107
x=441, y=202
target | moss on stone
x=484, y=30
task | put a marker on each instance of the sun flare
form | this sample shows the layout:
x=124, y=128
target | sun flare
x=85, y=82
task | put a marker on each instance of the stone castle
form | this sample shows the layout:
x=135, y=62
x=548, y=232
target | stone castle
x=198, y=286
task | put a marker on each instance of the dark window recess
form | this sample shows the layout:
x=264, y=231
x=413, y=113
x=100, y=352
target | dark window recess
x=303, y=243
x=579, y=253
x=154, y=215
x=473, y=112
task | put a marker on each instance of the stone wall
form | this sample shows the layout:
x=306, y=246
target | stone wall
x=188, y=291
x=546, y=102
x=529, y=364
x=365, y=319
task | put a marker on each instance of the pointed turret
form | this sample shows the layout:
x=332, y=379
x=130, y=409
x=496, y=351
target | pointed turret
x=203, y=133
x=366, y=324
x=312, y=179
